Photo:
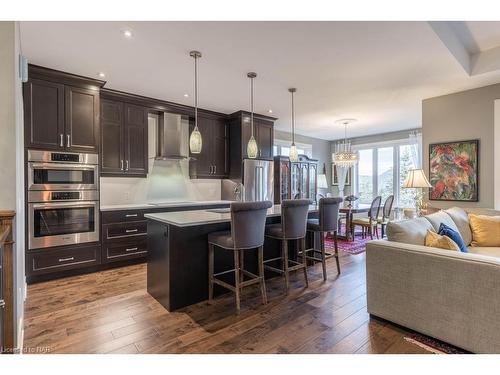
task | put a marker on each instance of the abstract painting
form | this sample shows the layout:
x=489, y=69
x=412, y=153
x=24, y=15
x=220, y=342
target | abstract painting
x=454, y=171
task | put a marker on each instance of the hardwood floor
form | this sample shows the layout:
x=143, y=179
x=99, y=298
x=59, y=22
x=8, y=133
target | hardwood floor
x=111, y=312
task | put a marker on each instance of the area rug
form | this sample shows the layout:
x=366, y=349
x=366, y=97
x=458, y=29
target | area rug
x=433, y=345
x=357, y=246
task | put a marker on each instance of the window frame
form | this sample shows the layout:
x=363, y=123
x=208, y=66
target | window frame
x=395, y=144
x=279, y=143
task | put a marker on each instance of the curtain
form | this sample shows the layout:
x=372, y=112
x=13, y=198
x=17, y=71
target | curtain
x=341, y=176
x=415, y=139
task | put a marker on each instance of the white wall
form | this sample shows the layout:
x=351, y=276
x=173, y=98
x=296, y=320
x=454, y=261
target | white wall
x=12, y=157
x=168, y=180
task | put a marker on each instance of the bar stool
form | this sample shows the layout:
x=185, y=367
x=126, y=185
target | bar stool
x=292, y=227
x=327, y=222
x=248, y=220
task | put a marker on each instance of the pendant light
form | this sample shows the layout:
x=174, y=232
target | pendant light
x=252, y=149
x=294, y=155
x=344, y=157
x=195, y=141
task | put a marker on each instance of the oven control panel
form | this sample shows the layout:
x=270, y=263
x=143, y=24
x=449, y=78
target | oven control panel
x=64, y=195
x=62, y=157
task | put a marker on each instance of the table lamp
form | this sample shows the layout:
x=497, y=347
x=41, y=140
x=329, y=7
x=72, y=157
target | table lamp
x=416, y=180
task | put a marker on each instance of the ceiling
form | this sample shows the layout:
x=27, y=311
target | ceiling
x=376, y=72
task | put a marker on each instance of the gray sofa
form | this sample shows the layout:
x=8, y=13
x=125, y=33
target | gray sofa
x=451, y=296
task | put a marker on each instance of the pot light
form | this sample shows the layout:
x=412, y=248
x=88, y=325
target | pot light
x=186, y=95
x=101, y=74
x=127, y=33
x=269, y=111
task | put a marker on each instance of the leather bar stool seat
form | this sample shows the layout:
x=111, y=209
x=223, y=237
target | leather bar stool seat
x=294, y=214
x=248, y=221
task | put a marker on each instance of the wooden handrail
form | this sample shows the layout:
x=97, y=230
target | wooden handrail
x=6, y=246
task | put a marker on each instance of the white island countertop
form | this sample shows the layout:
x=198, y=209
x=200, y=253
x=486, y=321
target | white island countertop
x=203, y=217
x=144, y=206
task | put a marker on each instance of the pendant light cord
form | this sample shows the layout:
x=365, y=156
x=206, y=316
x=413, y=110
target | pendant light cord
x=293, y=122
x=195, y=92
x=251, y=103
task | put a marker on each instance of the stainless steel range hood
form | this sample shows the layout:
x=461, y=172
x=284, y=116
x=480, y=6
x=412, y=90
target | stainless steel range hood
x=172, y=137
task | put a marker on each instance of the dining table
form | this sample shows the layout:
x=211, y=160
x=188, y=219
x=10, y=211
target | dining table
x=349, y=210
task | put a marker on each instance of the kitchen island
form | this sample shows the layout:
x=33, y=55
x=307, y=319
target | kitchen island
x=177, y=267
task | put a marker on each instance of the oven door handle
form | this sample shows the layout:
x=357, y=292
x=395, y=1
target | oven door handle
x=81, y=204
x=78, y=167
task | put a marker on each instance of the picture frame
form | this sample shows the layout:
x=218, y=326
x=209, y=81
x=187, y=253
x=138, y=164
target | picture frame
x=454, y=171
x=335, y=181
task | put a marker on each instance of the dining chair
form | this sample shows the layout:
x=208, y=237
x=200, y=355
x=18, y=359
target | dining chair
x=369, y=223
x=386, y=214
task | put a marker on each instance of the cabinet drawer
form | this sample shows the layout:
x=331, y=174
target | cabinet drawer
x=122, y=216
x=120, y=230
x=48, y=261
x=120, y=250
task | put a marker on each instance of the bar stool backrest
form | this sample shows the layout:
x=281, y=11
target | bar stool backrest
x=375, y=208
x=248, y=222
x=329, y=213
x=294, y=217
x=388, y=207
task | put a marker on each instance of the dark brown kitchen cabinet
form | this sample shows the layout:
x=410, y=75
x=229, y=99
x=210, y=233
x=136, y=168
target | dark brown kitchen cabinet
x=44, y=114
x=124, y=139
x=240, y=133
x=213, y=161
x=61, y=111
x=82, y=119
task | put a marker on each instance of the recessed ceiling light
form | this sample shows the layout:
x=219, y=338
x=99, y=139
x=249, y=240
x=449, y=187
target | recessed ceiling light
x=270, y=111
x=127, y=33
x=186, y=95
x=101, y=74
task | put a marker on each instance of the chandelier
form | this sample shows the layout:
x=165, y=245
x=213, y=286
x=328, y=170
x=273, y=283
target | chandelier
x=344, y=157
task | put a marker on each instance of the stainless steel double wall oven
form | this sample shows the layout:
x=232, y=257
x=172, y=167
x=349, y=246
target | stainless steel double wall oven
x=63, y=198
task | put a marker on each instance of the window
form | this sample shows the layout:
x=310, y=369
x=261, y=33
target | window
x=283, y=148
x=365, y=176
x=382, y=169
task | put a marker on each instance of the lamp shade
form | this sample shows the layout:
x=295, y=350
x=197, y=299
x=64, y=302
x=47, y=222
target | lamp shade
x=322, y=184
x=416, y=179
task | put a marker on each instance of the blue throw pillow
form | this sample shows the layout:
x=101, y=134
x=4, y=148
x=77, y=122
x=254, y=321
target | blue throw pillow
x=445, y=230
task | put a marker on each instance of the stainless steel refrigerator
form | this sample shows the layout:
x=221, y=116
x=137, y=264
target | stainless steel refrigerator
x=258, y=180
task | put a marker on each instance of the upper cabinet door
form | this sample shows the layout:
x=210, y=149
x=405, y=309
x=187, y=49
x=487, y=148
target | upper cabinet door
x=220, y=148
x=265, y=139
x=82, y=119
x=136, y=140
x=44, y=115
x=112, y=151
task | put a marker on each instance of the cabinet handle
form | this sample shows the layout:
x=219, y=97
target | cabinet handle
x=131, y=215
x=66, y=259
x=131, y=230
x=215, y=169
x=126, y=162
x=68, y=140
x=61, y=140
x=121, y=165
x=210, y=169
x=132, y=249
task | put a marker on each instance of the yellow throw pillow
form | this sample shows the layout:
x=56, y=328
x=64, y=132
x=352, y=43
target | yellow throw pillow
x=432, y=239
x=485, y=230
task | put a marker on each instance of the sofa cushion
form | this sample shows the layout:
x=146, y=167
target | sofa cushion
x=461, y=220
x=432, y=239
x=485, y=230
x=489, y=251
x=409, y=231
x=441, y=217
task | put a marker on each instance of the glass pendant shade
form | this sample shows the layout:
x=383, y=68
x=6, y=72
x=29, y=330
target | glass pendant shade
x=293, y=155
x=252, y=149
x=195, y=141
